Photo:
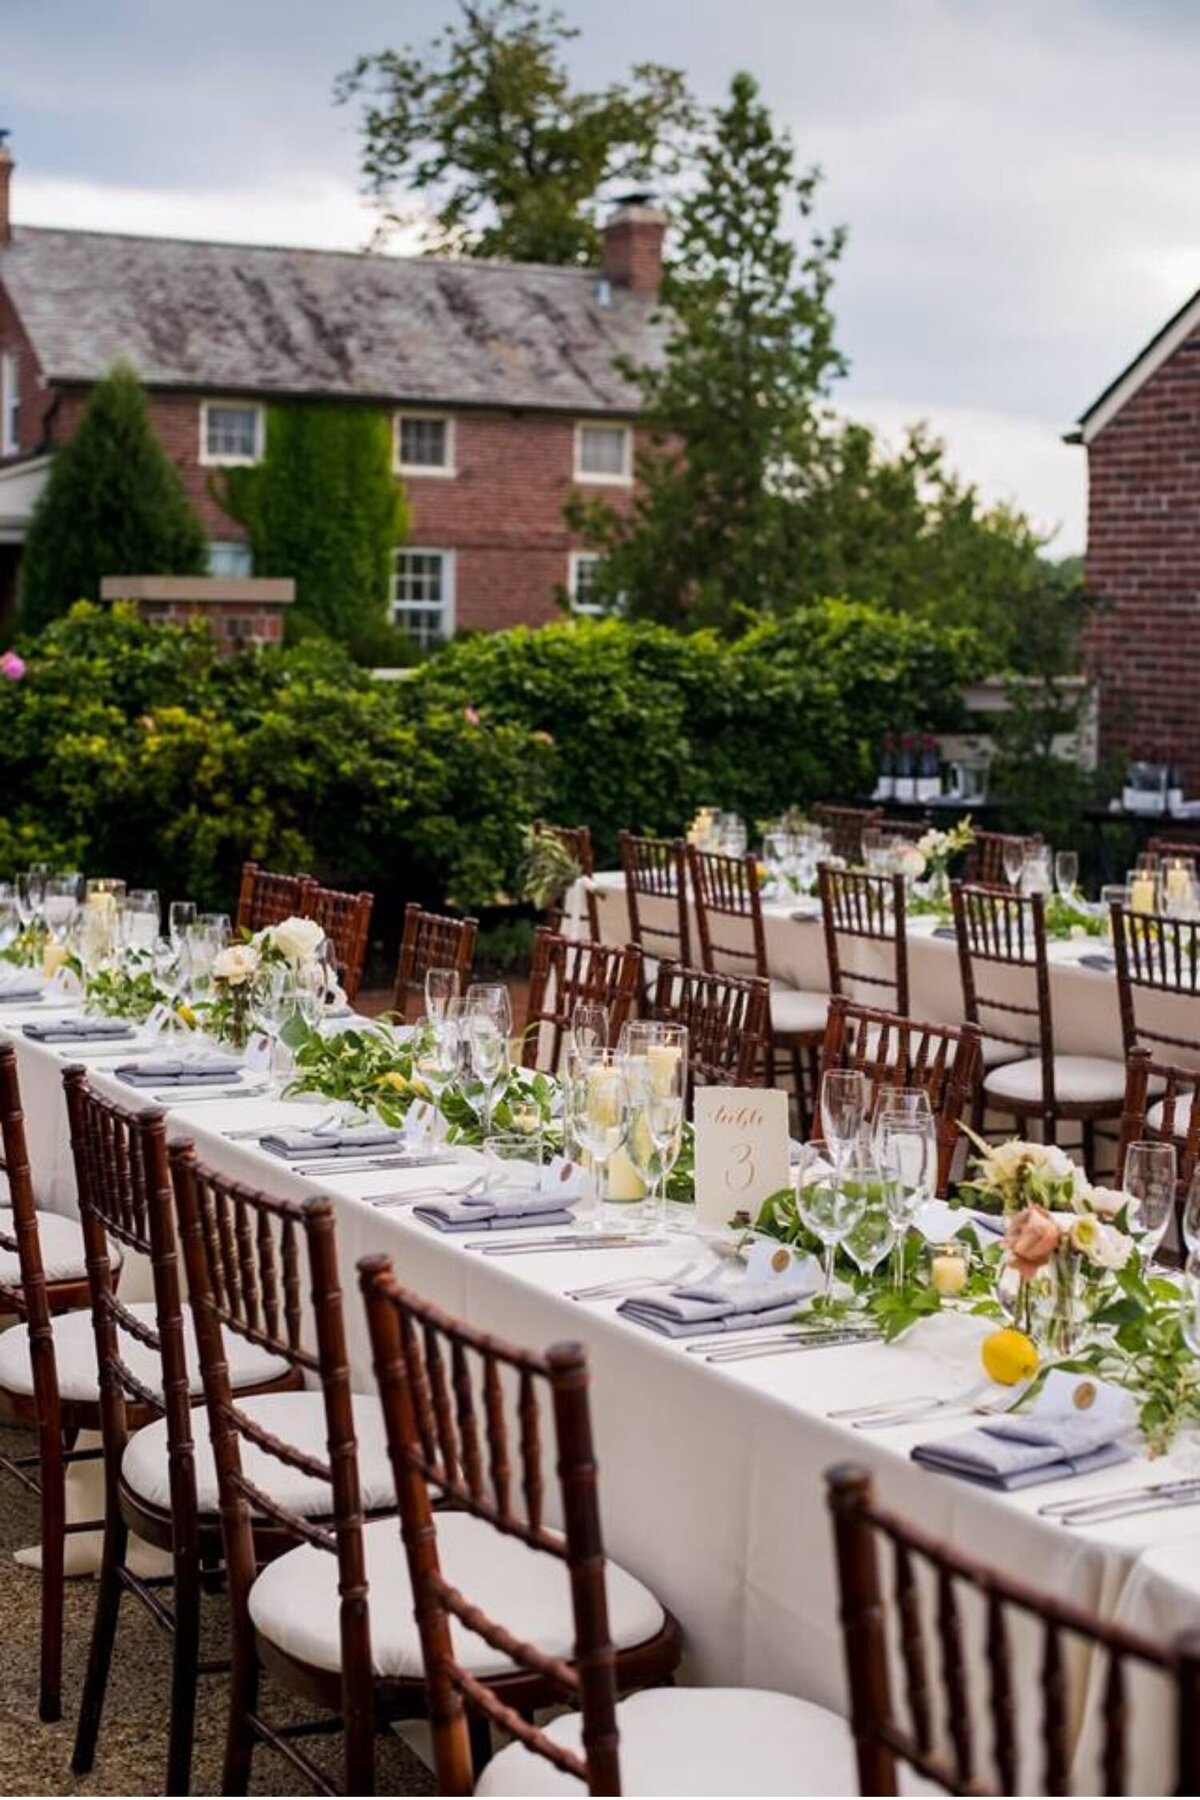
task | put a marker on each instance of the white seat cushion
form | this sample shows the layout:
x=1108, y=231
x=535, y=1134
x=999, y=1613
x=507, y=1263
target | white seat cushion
x=63, y=1254
x=700, y=1741
x=1085, y=1080
x=297, y=1418
x=75, y=1355
x=995, y=1051
x=796, y=1010
x=1182, y=1113
x=294, y=1602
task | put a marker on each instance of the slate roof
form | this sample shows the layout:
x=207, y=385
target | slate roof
x=243, y=318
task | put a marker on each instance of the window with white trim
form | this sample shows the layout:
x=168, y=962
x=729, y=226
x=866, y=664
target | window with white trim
x=423, y=595
x=10, y=404
x=226, y=556
x=603, y=453
x=424, y=443
x=582, y=568
x=231, y=432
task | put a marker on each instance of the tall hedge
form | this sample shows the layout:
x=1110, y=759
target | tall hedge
x=114, y=505
x=324, y=507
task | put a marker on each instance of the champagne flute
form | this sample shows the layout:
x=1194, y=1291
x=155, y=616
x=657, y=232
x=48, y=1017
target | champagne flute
x=488, y=1043
x=843, y=1107
x=831, y=1202
x=441, y=987
x=906, y=1150
x=1066, y=874
x=1149, y=1176
x=657, y=1095
x=600, y=1117
x=1012, y=855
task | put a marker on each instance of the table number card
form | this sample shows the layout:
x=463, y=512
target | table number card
x=741, y=1150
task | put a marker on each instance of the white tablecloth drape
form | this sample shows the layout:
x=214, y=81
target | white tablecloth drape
x=711, y=1476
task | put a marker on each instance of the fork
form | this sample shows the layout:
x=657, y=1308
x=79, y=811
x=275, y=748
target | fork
x=415, y=1195
x=615, y=1290
x=808, y=1340
x=902, y=1412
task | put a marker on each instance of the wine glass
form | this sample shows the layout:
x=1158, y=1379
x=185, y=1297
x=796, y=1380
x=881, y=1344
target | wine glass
x=831, y=1202
x=488, y=1043
x=218, y=926
x=656, y=1089
x=1191, y=1214
x=905, y=1146
x=1149, y=1176
x=441, y=987
x=438, y=1053
x=871, y=1237
x=1066, y=874
x=843, y=1108
x=141, y=919
x=181, y=916
x=600, y=1118
x=60, y=903
x=589, y=1029
x=30, y=893
x=1189, y=1304
x=10, y=918
x=491, y=997
x=1012, y=855
x=275, y=1002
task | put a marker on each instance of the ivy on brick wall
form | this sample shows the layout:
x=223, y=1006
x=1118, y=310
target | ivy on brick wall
x=324, y=507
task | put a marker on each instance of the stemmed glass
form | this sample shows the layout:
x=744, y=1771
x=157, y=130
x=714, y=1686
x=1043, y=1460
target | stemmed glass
x=140, y=919
x=441, y=987
x=31, y=889
x=1191, y=1216
x=275, y=1001
x=843, y=1108
x=60, y=904
x=438, y=1054
x=1149, y=1176
x=599, y=1114
x=10, y=919
x=1066, y=874
x=656, y=1090
x=831, y=1202
x=488, y=1042
x=181, y=916
x=589, y=1029
x=905, y=1143
x=1012, y=855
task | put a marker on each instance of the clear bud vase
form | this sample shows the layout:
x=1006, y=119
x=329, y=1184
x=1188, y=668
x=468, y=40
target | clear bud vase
x=1057, y=1305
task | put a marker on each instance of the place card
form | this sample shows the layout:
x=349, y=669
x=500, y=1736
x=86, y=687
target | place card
x=741, y=1150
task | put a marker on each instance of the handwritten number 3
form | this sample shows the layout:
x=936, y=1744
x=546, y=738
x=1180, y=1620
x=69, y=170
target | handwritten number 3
x=739, y=1173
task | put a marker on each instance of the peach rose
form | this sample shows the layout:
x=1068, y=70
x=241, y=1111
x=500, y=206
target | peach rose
x=1031, y=1238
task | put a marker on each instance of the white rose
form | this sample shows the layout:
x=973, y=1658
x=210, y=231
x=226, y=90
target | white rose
x=912, y=863
x=297, y=940
x=1106, y=1202
x=1113, y=1249
x=236, y=964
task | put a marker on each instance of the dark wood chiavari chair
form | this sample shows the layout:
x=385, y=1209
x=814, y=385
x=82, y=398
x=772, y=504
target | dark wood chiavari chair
x=576, y=840
x=157, y=1474
x=568, y=972
x=728, y=1020
x=894, y=1051
x=984, y=863
x=1162, y=1103
x=844, y=827
x=1166, y=847
x=1005, y=935
x=430, y=941
x=870, y=909
x=43, y=1275
x=346, y=920
x=655, y=869
x=935, y=1735
x=267, y=898
x=664, y=1740
x=731, y=929
x=1156, y=955
x=911, y=830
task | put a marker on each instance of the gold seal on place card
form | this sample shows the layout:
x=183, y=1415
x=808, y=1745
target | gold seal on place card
x=1084, y=1395
x=781, y=1260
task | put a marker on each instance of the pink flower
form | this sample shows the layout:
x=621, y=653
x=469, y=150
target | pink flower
x=11, y=666
x=1031, y=1238
x=471, y=716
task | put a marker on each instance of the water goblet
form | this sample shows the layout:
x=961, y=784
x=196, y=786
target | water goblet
x=905, y=1146
x=831, y=1202
x=441, y=986
x=1149, y=1177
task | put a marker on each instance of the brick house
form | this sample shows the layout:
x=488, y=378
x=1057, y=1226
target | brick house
x=1142, y=438
x=499, y=379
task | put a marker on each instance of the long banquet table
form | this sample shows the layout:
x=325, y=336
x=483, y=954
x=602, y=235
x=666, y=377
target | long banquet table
x=711, y=1476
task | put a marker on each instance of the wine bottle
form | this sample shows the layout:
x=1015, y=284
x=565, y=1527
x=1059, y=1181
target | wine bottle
x=885, y=785
x=929, y=779
x=906, y=769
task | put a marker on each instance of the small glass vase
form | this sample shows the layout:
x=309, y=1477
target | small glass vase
x=937, y=884
x=1057, y=1307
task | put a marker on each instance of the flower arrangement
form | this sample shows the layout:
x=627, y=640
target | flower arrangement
x=937, y=850
x=238, y=968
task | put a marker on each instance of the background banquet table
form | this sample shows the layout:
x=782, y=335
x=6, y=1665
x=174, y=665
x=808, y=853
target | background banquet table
x=1084, y=1001
x=711, y=1477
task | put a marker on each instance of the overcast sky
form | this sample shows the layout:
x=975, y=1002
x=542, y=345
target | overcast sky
x=1020, y=178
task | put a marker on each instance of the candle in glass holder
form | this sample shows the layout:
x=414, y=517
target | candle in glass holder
x=1141, y=892
x=948, y=1271
x=662, y=1060
x=1179, y=883
x=624, y=1182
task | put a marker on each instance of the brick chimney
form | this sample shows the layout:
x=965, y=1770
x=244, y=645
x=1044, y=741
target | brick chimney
x=6, y=168
x=633, y=244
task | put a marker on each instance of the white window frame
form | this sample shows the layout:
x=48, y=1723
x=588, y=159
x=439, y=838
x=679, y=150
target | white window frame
x=10, y=403
x=593, y=478
x=237, y=544
x=575, y=560
x=212, y=459
x=449, y=573
x=437, y=472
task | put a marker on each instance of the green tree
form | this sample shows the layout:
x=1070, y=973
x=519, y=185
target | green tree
x=324, y=507
x=736, y=409
x=486, y=128
x=114, y=505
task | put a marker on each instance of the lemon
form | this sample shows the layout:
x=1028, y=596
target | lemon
x=1009, y=1356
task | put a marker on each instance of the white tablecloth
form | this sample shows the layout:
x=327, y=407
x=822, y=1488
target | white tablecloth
x=1083, y=1001
x=711, y=1476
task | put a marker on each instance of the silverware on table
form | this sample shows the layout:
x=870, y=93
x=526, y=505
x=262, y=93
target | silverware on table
x=633, y=1284
x=193, y=1096
x=553, y=1246
x=415, y=1196
x=107, y=1049
x=811, y=1340
x=882, y=1413
x=1125, y=1503
x=363, y=1165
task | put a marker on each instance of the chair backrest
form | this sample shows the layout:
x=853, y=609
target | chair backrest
x=728, y=1019
x=463, y=1413
x=252, y=1264
x=1171, y=1093
x=576, y=840
x=266, y=898
x=1163, y=847
x=124, y=1187
x=565, y=973
x=729, y=914
x=844, y=826
x=31, y=1300
x=656, y=869
x=346, y=920
x=894, y=1051
x=918, y=1611
x=999, y=931
x=911, y=830
x=868, y=907
x=984, y=865
x=1160, y=955
x=430, y=941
